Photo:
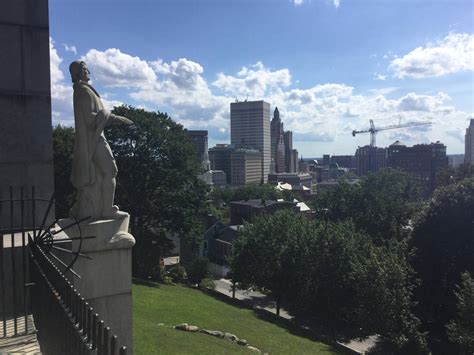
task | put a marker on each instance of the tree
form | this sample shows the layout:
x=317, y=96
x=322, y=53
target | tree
x=451, y=175
x=266, y=254
x=461, y=328
x=382, y=204
x=63, y=149
x=157, y=183
x=443, y=238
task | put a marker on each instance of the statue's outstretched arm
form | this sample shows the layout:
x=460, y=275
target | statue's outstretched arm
x=121, y=119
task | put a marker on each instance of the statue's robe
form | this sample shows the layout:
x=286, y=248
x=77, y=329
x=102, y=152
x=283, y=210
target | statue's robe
x=90, y=118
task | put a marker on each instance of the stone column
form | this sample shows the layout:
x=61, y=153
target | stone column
x=26, y=150
x=106, y=280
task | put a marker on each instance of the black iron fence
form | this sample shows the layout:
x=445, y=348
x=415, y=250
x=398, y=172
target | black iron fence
x=33, y=284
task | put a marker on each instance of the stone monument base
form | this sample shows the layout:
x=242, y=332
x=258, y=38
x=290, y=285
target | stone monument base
x=106, y=280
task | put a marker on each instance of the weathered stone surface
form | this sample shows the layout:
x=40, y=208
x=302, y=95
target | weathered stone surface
x=242, y=342
x=217, y=333
x=182, y=326
x=192, y=328
x=254, y=349
x=205, y=331
x=230, y=336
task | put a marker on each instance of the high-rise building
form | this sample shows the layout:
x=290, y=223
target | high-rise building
x=469, y=144
x=421, y=160
x=250, y=128
x=199, y=140
x=370, y=159
x=220, y=159
x=289, y=162
x=246, y=166
x=277, y=143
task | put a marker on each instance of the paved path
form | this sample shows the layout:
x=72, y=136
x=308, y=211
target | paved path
x=259, y=300
x=24, y=343
x=256, y=299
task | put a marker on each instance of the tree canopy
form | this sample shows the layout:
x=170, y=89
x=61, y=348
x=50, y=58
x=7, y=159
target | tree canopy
x=443, y=238
x=382, y=204
x=331, y=271
x=157, y=181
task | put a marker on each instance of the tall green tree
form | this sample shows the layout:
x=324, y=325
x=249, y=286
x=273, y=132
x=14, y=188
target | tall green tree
x=157, y=183
x=63, y=149
x=461, y=328
x=444, y=240
x=266, y=254
x=382, y=204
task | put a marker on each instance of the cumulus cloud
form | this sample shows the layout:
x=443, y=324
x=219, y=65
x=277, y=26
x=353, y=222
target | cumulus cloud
x=71, y=49
x=253, y=81
x=116, y=69
x=426, y=103
x=450, y=55
x=61, y=91
x=325, y=113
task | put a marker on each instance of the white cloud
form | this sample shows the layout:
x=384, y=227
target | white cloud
x=454, y=53
x=61, y=91
x=379, y=77
x=116, y=69
x=322, y=115
x=414, y=102
x=71, y=49
x=298, y=2
x=336, y=3
x=253, y=81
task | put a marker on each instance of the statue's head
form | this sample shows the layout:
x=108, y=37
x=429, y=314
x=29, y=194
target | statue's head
x=79, y=71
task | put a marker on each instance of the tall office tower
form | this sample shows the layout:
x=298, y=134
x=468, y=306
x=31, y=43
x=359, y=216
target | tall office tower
x=294, y=161
x=250, y=128
x=289, y=163
x=469, y=144
x=199, y=139
x=246, y=166
x=277, y=143
x=423, y=161
x=370, y=159
x=220, y=159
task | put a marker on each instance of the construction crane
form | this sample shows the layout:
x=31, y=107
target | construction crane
x=373, y=131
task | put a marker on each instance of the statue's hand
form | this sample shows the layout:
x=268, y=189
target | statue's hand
x=123, y=119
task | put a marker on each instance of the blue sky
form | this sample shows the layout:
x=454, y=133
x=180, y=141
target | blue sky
x=329, y=65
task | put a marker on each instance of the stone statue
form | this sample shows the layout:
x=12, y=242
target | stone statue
x=93, y=168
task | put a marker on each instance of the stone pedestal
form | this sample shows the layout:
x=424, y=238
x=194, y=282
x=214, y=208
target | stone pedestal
x=106, y=280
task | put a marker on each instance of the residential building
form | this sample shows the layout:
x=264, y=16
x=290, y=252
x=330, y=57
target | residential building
x=370, y=159
x=469, y=144
x=250, y=128
x=421, y=160
x=246, y=211
x=246, y=167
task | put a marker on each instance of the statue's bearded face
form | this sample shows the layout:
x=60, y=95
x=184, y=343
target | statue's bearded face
x=85, y=73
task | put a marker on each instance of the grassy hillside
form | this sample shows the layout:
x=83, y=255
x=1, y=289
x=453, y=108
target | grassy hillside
x=171, y=305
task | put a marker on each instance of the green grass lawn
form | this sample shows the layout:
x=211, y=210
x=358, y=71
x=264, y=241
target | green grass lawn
x=171, y=305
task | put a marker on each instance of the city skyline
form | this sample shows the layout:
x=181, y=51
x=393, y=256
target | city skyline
x=329, y=66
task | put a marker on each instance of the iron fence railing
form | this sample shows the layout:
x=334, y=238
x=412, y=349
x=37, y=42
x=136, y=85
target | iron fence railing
x=66, y=322
x=32, y=283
